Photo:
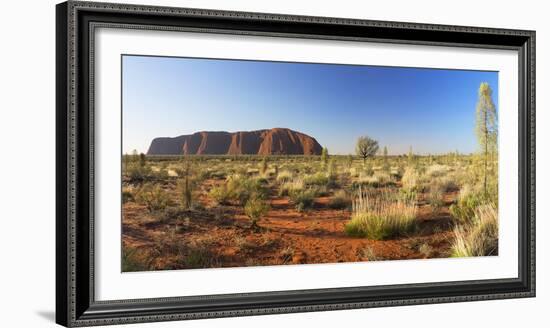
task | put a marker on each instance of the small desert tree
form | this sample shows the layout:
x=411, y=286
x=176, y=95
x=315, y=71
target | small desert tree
x=366, y=147
x=486, y=126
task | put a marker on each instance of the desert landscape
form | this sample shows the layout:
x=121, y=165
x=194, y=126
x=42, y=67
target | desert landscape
x=202, y=210
x=239, y=163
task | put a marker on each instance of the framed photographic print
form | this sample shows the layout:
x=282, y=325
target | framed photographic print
x=214, y=163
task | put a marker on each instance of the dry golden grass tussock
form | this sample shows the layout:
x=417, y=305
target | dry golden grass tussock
x=380, y=217
x=480, y=238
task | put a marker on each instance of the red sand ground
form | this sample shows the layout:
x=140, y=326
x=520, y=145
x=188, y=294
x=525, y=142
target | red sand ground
x=286, y=236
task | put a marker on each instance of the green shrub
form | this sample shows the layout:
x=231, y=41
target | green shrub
x=469, y=200
x=239, y=189
x=302, y=199
x=317, y=179
x=242, y=188
x=255, y=208
x=137, y=173
x=153, y=197
x=220, y=194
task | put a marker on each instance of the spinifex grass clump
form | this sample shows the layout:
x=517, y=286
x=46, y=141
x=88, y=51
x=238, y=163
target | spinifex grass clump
x=410, y=179
x=480, y=238
x=255, y=208
x=284, y=176
x=464, y=211
x=303, y=198
x=153, y=197
x=297, y=184
x=340, y=200
x=381, y=216
x=238, y=189
x=317, y=179
x=435, y=197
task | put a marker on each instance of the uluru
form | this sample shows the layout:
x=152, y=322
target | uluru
x=276, y=141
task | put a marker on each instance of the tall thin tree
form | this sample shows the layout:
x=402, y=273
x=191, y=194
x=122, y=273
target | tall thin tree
x=486, y=126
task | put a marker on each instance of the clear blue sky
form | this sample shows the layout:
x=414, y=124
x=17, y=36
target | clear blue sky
x=432, y=110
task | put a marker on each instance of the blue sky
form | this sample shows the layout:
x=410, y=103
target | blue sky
x=432, y=110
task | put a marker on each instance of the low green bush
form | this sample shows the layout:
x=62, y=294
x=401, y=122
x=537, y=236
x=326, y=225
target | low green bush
x=464, y=210
x=255, y=208
x=302, y=199
x=153, y=197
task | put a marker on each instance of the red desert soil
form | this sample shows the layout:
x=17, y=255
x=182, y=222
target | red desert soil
x=285, y=236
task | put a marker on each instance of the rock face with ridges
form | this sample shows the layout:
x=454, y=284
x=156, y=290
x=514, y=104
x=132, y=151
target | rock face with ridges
x=277, y=141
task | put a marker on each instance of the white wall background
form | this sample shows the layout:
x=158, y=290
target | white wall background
x=27, y=162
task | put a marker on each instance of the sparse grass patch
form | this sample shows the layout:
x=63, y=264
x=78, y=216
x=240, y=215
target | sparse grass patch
x=239, y=189
x=410, y=179
x=380, y=217
x=287, y=253
x=365, y=180
x=289, y=187
x=284, y=176
x=317, y=179
x=153, y=197
x=340, y=200
x=303, y=199
x=134, y=260
x=435, y=198
x=480, y=238
x=198, y=254
x=367, y=253
x=243, y=244
x=255, y=208
x=220, y=194
x=464, y=211
x=136, y=172
x=436, y=170
x=426, y=250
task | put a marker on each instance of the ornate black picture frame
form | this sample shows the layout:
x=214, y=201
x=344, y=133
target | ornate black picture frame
x=75, y=301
